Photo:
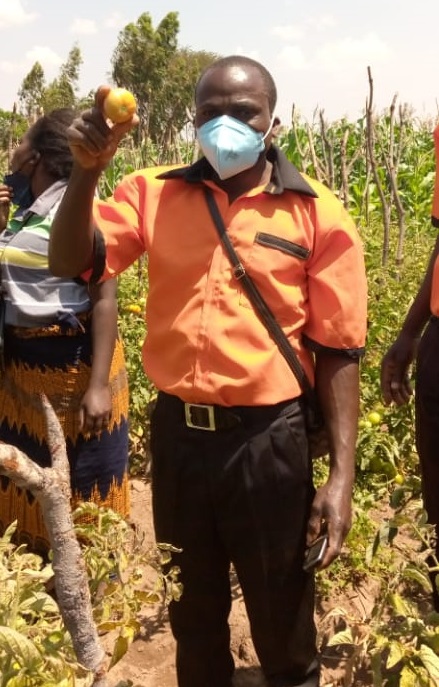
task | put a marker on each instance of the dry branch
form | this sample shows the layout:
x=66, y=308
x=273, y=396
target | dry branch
x=51, y=487
x=370, y=142
x=315, y=161
x=392, y=170
x=344, y=195
x=328, y=152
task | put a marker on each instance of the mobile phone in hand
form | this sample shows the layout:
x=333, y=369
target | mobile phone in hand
x=315, y=553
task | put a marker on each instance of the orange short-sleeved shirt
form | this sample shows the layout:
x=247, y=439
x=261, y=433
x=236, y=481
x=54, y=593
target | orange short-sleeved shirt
x=205, y=343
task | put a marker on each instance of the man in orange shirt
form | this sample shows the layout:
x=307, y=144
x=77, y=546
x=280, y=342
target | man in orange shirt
x=231, y=471
x=419, y=338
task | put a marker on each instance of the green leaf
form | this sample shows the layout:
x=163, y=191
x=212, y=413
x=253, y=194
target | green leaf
x=396, y=654
x=40, y=603
x=430, y=661
x=397, y=498
x=408, y=678
x=400, y=606
x=413, y=573
x=107, y=626
x=19, y=646
x=343, y=637
x=121, y=646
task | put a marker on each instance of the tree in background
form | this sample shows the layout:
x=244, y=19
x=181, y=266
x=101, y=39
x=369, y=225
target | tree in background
x=35, y=97
x=174, y=102
x=30, y=94
x=12, y=127
x=148, y=62
x=61, y=92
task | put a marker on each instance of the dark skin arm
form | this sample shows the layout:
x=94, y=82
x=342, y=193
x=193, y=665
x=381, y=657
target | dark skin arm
x=5, y=204
x=93, y=142
x=395, y=367
x=95, y=409
x=337, y=386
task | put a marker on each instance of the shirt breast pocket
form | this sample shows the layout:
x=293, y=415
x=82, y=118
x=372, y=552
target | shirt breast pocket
x=278, y=268
x=280, y=244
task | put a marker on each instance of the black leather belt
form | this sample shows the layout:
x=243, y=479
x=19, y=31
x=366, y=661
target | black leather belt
x=215, y=417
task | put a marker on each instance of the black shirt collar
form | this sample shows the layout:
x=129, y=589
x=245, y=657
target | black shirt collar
x=285, y=176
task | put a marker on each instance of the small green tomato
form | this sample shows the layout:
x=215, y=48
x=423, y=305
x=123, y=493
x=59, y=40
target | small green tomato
x=374, y=417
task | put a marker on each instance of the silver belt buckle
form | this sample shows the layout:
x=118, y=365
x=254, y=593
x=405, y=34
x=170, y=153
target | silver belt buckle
x=210, y=416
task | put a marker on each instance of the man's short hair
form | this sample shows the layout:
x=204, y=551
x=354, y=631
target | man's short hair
x=245, y=63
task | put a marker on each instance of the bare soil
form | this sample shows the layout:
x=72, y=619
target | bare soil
x=150, y=660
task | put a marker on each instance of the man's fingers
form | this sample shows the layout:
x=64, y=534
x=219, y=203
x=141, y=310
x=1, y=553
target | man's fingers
x=100, y=96
x=81, y=418
x=396, y=390
x=395, y=382
x=89, y=132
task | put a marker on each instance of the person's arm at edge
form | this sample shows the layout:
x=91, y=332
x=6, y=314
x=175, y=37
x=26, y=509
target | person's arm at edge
x=337, y=388
x=419, y=311
x=5, y=204
x=395, y=383
x=72, y=232
x=103, y=329
x=96, y=403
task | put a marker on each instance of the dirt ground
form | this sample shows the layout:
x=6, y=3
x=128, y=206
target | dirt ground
x=149, y=661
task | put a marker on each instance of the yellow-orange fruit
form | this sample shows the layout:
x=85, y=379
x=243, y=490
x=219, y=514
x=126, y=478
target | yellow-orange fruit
x=119, y=105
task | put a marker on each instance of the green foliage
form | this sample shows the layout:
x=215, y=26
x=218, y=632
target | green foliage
x=328, y=151
x=132, y=291
x=30, y=94
x=35, y=649
x=37, y=97
x=398, y=641
x=124, y=576
x=127, y=159
x=387, y=448
x=12, y=128
x=61, y=92
x=140, y=61
x=175, y=99
x=148, y=62
x=416, y=173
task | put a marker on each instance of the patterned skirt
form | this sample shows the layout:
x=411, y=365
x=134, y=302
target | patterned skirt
x=56, y=360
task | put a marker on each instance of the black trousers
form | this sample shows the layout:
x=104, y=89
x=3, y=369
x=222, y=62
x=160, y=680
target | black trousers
x=237, y=496
x=427, y=419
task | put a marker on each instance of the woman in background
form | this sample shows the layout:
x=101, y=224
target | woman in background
x=59, y=336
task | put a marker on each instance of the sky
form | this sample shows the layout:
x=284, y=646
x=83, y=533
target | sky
x=318, y=53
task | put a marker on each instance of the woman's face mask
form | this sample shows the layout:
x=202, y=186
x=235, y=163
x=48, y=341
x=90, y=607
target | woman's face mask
x=231, y=146
x=25, y=157
x=20, y=184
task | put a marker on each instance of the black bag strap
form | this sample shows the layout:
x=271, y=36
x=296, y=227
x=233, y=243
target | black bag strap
x=259, y=304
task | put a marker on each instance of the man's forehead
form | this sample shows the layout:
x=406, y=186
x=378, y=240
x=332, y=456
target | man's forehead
x=231, y=80
x=236, y=73
x=239, y=74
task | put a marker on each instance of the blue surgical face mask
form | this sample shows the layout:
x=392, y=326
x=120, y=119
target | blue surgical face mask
x=231, y=146
x=21, y=189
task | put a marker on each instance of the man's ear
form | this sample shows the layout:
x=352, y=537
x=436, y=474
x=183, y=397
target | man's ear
x=275, y=129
